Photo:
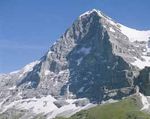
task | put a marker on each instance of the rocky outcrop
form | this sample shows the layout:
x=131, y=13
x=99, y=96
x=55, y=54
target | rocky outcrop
x=143, y=81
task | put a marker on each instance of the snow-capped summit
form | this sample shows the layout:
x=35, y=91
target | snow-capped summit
x=91, y=11
x=132, y=34
x=100, y=13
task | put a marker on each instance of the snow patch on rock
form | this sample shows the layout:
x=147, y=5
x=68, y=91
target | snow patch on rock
x=12, y=88
x=47, y=72
x=28, y=68
x=81, y=90
x=79, y=61
x=145, y=102
x=142, y=64
x=84, y=50
x=15, y=72
x=109, y=101
x=44, y=105
x=111, y=29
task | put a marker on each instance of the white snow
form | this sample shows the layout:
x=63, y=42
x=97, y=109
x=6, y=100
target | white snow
x=81, y=90
x=14, y=72
x=70, y=109
x=45, y=105
x=42, y=105
x=98, y=12
x=49, y=53
x=79, y=61
x=135, y=35
x=47, y=72
x=1, y=103
x=19, y=95
x=104, y=26
x=111, y=29
x=12, y=88
x=64, y=71
x=89, y=12
x=67, y=91
x=109, y=101
x=28, y=68
x=145, y=102
x=141, y=64
x=84, y=50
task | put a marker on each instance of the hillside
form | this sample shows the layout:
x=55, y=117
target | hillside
x=128, y=108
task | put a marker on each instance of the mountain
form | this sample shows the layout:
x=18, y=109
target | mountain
x=95, y=60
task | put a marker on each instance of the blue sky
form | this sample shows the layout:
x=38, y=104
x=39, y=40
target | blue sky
x=29, y=27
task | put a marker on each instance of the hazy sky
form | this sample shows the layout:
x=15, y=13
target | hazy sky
x=29, y=27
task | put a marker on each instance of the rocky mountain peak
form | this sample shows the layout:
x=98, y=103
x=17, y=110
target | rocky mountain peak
x=96, y=58
x=94, y=12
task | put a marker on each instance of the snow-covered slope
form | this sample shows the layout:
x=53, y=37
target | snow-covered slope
x=139, y=36
x=44, y=105
x=135, y=35
x=142, y=63
x=145, y=102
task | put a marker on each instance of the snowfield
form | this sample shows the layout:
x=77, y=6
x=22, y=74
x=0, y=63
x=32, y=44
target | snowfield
x=45, y=105
x=135, y=35
x=145, y=101
x=142, y=64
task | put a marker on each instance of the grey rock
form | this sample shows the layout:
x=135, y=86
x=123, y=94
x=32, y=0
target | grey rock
x=60, y=103
x=143, y=81
x=82, y=102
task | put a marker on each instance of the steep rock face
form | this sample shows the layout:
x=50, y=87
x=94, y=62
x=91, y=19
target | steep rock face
x=143, y=81
x=94, y=69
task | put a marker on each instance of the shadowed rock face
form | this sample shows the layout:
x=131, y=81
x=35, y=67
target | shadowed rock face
x=143, y=81
x=92, y=73
x=32, y=77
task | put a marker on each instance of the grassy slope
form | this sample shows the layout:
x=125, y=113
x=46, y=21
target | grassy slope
x=125, y=109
